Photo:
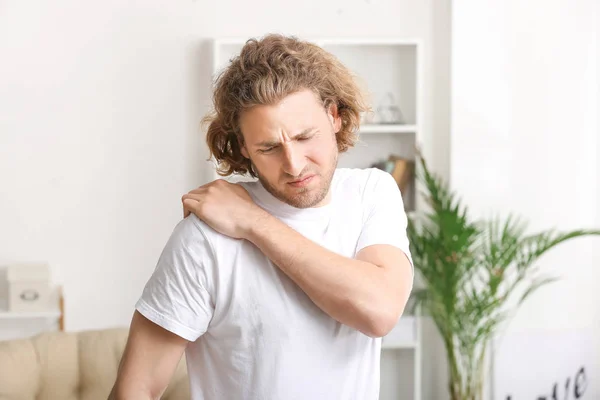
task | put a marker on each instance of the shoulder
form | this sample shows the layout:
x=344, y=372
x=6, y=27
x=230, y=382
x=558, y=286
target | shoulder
x=196, y=236
x=365, y=182
x=190, y=227
x=191, y=233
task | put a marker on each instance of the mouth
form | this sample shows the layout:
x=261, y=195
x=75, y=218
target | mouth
x=302, y=182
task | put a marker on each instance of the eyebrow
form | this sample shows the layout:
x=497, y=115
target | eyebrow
x=272, y=143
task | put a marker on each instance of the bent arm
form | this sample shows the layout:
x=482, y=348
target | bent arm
x=368, y=293
x=150, y=358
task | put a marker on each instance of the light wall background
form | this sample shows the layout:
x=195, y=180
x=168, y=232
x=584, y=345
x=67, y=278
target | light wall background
x=99, y=138
x=525, y=139
x=99, y=110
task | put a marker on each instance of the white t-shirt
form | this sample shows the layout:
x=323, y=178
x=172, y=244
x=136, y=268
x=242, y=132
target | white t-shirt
x=254, y=333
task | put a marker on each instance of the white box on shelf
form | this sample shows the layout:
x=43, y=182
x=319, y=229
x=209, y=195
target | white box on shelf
x=27, y=287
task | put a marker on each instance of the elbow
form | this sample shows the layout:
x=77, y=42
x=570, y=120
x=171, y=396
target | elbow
x=382, y=319
x=381, y=325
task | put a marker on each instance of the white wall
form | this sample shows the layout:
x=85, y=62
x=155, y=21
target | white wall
x=99, y=108
x=524, y=138
x=597, y=248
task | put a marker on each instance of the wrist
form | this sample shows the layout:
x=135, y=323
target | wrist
x=257, y=219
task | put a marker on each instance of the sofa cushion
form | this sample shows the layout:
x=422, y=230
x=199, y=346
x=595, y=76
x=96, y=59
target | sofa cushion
x=70, y=366
x=19, y=370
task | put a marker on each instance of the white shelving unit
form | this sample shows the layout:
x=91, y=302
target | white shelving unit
x=49, y=315
x=397, y=129
x=390, y=69
x=23, y=324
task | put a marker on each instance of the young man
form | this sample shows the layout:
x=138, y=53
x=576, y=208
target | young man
x=280, y=288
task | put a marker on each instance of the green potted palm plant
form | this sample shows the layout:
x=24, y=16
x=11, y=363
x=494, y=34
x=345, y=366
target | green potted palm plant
x=474, y=275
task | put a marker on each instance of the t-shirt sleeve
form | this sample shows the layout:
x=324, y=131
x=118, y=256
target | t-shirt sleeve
x=385, y=220
x=177, y=296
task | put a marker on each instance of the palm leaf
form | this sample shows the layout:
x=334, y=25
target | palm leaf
x=535, y=285
x=471, y=270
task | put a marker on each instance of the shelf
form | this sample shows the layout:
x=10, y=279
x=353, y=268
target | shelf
x=385, y=128
x=381, y=41
x=398, y=345
x=332, y=41
x=55, y=314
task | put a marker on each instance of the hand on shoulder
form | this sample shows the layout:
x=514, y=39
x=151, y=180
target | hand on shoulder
x=226, y=207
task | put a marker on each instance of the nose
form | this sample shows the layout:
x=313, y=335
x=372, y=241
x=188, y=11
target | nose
x=294, y=160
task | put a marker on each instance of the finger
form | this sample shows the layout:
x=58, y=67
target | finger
x=200, y=190
x=193, y=196
x=191, y=199
x=189, y=206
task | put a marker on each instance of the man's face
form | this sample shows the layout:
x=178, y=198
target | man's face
x=293, y=148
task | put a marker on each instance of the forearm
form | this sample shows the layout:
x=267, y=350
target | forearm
x=356, y=293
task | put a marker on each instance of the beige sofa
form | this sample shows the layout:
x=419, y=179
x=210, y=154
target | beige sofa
x=70, y=366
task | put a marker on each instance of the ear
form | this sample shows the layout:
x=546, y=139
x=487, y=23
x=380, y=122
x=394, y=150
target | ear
x=334, y=117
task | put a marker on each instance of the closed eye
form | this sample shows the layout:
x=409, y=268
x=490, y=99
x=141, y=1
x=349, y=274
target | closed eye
x=304, y=138
x=266, y=150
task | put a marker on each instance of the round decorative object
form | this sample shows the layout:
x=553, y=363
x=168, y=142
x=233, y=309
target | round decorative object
x=29, y=295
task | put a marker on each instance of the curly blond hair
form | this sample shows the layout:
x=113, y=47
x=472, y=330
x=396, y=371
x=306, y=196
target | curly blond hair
x=266, y=71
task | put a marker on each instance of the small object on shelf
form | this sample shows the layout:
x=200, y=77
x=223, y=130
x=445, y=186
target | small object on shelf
x=26, y=288
x=400, y=168
x=402, y=172
x=387, y=166
x=389, y=112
